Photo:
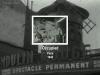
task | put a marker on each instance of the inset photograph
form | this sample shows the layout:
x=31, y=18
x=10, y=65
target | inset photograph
x=49, y=30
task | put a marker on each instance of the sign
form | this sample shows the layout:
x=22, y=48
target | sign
x=45, y=68
x=17, y=59
x=70, y=66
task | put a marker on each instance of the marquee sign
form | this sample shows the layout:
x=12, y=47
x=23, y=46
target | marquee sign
x=75, y=66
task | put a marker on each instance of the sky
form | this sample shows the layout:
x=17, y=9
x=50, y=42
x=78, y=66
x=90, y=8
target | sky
x=93, y=7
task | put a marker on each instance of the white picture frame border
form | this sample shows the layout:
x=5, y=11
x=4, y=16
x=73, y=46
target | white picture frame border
x=49, y=43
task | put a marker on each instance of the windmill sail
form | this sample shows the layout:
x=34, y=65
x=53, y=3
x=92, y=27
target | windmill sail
x=88, y=25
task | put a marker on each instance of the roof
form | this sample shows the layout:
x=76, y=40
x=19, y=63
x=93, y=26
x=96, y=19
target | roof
x=67, y=5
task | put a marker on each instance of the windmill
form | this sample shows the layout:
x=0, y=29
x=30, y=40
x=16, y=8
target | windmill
x=75, y=36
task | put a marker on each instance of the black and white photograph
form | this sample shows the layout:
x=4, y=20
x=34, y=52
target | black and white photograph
x=50, y=30
x=49, y=37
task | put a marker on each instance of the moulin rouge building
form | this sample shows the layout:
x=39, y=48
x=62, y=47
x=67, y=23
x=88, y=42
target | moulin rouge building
x=66, y=59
